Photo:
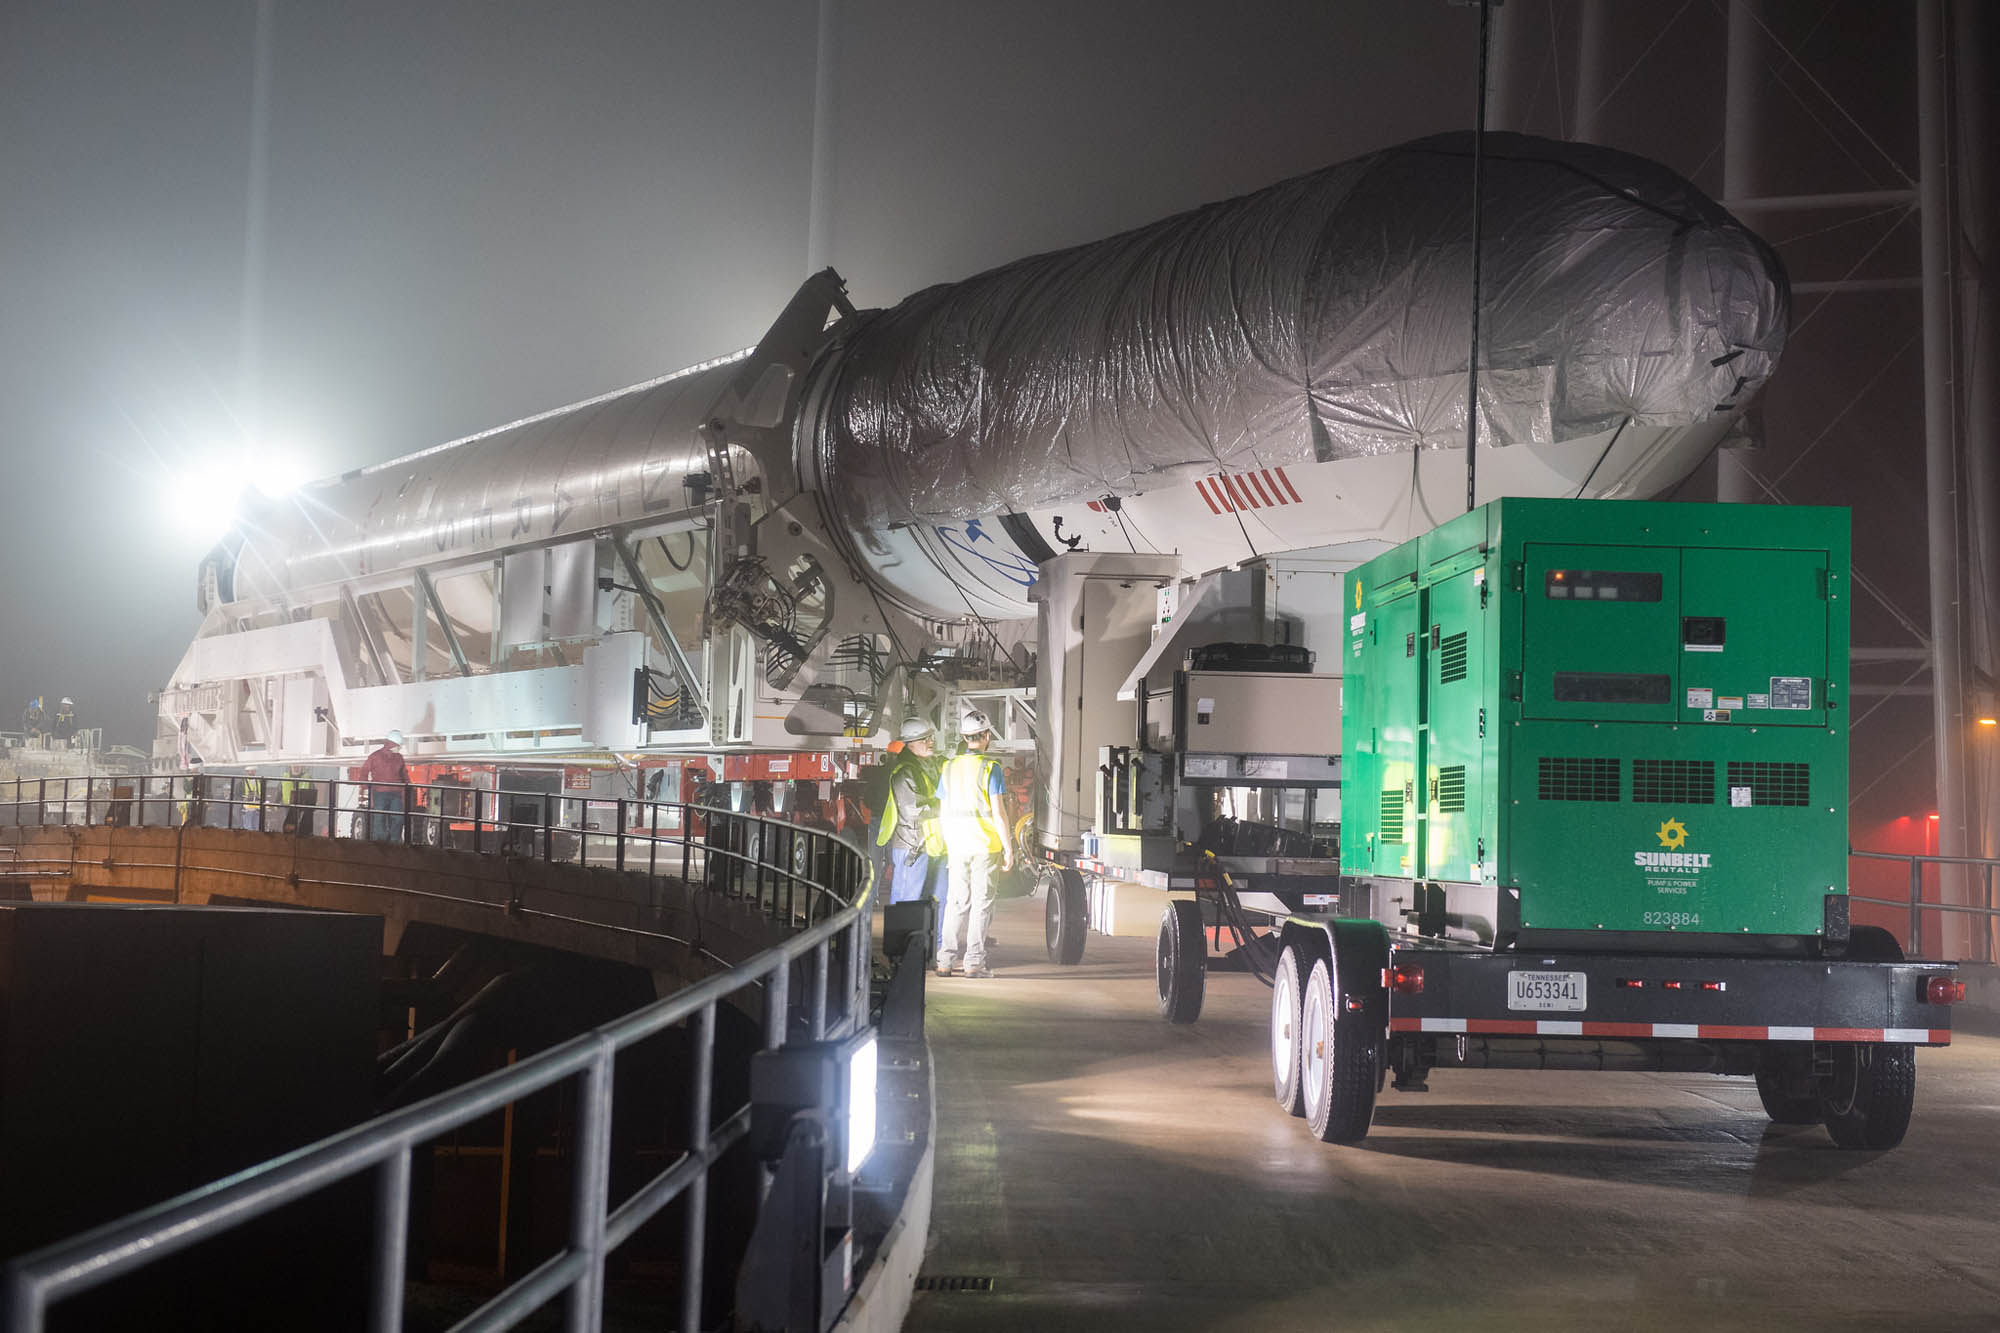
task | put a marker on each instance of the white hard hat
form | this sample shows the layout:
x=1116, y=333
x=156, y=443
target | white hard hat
x=396, y=739
x=971, y=722
x=915, y=729
x=71, y=702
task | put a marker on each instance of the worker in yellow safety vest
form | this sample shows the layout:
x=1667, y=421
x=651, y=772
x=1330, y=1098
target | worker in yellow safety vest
x=979, y=845
x=909, y=832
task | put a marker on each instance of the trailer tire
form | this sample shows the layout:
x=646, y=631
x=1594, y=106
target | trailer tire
x=1866, y=1101
x=1180, y=960
x=1337, y=1060
x=1286, y=1080
x=1065, y=917
x=1783, y=1108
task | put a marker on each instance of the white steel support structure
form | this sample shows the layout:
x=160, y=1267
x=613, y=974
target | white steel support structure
x=1941, y=494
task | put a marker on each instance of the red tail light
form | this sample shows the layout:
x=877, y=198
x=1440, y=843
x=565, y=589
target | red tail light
x=1631, y=983
x=1406, y=980
x=1943, y=990
x=1671, y=985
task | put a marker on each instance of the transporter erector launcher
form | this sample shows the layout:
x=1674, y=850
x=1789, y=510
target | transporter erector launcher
x=755, y=551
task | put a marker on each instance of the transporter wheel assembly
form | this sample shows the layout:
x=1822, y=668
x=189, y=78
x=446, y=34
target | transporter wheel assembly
x=1337, y=1059
x=1181, y=961
x=1866, y=1100
x=1065, y=917
x=1286, y=1079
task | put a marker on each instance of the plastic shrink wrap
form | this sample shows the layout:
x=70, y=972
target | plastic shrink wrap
x=1325, y=317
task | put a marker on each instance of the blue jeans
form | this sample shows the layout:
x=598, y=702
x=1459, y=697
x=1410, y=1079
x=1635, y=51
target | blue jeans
x=385, y=820
x=908, y=874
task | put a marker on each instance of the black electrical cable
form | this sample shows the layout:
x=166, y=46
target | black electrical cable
x=679, y=566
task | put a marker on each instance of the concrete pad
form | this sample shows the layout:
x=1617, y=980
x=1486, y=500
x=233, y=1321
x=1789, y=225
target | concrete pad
x=1110, y=1171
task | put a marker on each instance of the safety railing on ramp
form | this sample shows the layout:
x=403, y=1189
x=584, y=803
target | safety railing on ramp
x=807, y=877
x=1983, y=911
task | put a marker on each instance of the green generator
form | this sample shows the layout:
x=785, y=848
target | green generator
x=1602, y=724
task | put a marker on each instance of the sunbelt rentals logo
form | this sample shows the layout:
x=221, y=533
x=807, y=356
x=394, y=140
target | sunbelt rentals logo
x=1671, y=867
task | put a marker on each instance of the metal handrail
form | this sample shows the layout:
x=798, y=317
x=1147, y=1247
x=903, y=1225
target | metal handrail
x=421, y=815
x=384, y=1145
x=1916, y=904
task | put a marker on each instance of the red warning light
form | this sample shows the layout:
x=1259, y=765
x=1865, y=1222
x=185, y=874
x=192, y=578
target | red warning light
x=1406, y=980
x=1943, y=990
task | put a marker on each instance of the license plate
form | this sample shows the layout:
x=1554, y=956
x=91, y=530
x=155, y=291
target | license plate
x=1547, y=990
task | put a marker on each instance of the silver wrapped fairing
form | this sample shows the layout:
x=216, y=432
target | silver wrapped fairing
x=1325, y=317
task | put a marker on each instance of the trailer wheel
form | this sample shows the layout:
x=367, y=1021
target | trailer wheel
x=1286, y=1079
x=1866, y=1100
x=1337, y=1062
x=1785, y=1108
x=1065, y=917
x=1181, y=961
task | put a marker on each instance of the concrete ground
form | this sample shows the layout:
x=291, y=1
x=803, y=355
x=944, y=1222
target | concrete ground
x=1109, y=1171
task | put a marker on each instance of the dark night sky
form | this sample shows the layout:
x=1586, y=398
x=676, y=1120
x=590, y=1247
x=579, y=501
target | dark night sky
x=481, y=210
x=477, y=211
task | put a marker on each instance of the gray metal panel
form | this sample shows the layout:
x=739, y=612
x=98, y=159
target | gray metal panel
x=524, y=580
x=573, y=590
x=1262, y=713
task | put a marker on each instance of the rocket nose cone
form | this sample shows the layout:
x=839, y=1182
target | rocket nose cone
x=1734, y=273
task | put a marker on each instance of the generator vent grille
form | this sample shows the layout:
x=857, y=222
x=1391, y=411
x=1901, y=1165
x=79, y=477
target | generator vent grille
x=1674, y=781
x=1451, y=659
x=1451, y=789
x=1563, y=779
x=1392, y=815
x=1773, y=784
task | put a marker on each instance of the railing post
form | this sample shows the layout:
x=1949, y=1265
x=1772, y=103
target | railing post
x=548, y=831
x=1986, y=929
x=392, y=1240
x=1916, y=907
x=590, y=1190
x=88, y=785
x=777, y=1006
x=701, y=1129
x=857, y=967
x=819, y=971
x=621, y=834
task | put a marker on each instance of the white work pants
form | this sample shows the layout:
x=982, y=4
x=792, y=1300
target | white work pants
x=968, y=908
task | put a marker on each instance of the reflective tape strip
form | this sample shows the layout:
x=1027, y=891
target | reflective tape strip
x=1209, y=500
x=1289, y=487
x=1560, y=1027
x=1250, y=480
x=1238, y=495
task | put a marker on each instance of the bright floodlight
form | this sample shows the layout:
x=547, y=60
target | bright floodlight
x=861, y=1101
x=276, y=473
x=201, y=502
